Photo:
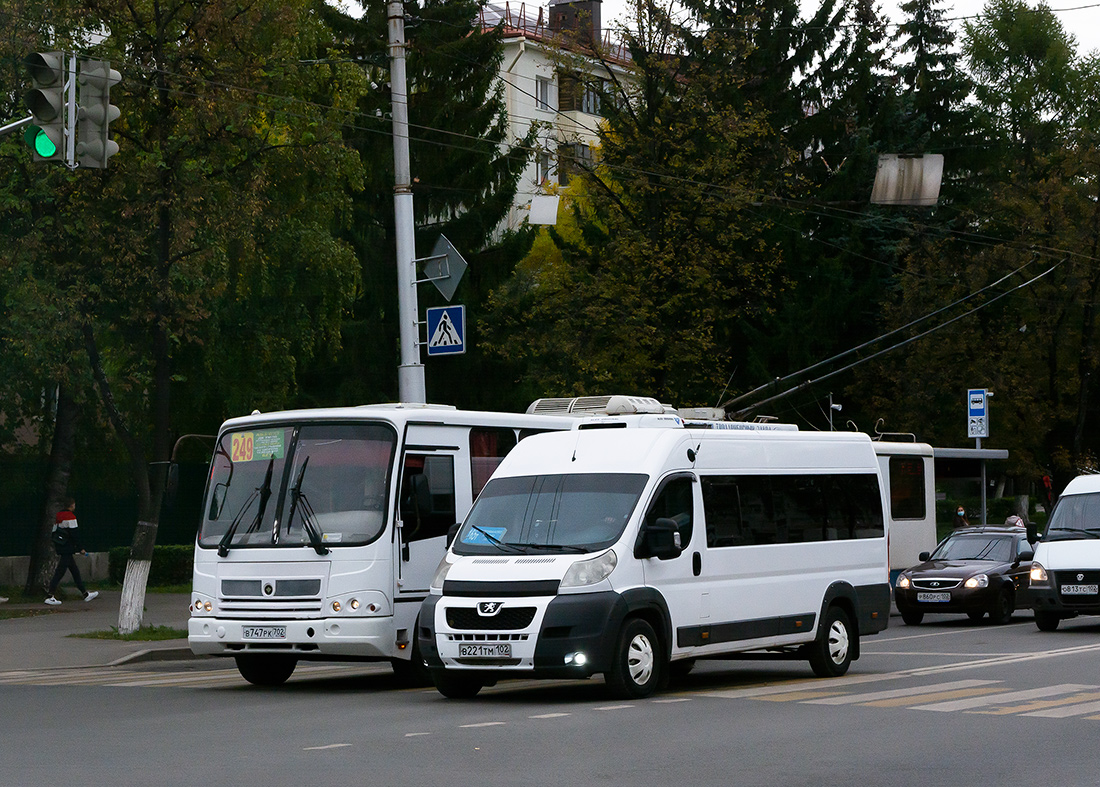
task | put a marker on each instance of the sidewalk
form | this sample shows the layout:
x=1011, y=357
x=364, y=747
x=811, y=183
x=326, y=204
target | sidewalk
x=43, y=640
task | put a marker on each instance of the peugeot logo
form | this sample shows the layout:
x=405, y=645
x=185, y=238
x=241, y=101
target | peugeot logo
x=1080, y=577
x=489, y=608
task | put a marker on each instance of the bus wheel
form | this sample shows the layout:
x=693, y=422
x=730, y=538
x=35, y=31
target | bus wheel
x=266, y=670
x=456, y=685
x=411, y=673
x=1047, y=621
x=636, y=670
x=831, y=652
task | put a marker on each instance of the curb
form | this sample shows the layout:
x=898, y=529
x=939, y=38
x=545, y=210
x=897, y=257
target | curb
x=157, y=654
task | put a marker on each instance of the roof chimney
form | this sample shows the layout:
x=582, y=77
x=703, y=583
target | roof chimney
x=567, y=16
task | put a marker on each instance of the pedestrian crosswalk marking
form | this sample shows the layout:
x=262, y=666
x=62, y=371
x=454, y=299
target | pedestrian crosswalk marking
x=1066, y=711
x=798, y=696
x=1036, y=705
x=890, y=694
x=1002, y=697
x=938, y=696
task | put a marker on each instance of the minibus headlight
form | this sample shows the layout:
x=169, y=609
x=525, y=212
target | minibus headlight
x=977, y=581
x=1038, y=573
x=441, y=574
x=589, y=572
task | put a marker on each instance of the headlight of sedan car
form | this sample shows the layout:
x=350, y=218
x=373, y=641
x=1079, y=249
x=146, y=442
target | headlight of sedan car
x=903, y=581
x=1038, y=573
x=977, y=581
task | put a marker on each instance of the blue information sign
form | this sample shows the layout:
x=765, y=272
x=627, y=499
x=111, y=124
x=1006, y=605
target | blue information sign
x=446, y=330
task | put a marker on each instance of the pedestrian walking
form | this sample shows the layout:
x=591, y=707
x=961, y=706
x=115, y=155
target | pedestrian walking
x=66, y=542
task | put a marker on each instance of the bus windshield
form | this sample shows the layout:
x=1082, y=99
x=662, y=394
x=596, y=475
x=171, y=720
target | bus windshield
x=548, y=513
x=311, y=484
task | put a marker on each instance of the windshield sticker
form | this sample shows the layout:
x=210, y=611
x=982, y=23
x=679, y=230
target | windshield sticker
x=482, y=536
x=249, y=446
x=333, y=537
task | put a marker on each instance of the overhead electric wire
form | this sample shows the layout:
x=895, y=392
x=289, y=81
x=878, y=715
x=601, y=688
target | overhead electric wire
x=746, y=410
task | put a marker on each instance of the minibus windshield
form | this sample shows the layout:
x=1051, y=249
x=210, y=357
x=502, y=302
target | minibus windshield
x=1075, y=516
x=549, y=513
x=306, y=485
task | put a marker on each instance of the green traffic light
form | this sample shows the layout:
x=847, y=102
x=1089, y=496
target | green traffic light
x=40, y=141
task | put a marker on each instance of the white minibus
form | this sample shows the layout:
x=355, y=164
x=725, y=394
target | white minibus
x=321, y=529
x=1065, y=573
x=633, y=546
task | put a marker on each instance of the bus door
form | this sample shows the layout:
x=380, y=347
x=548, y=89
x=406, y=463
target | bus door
x=426, y=510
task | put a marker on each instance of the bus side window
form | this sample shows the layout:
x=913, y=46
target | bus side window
x=427, y=496
x=487, y=448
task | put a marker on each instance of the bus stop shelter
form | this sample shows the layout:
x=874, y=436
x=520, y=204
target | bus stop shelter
x=968, y=463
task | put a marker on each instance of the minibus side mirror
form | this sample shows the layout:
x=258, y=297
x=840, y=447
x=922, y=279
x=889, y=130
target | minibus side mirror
x=659, y=539
x=923, y=556
x=452, y=531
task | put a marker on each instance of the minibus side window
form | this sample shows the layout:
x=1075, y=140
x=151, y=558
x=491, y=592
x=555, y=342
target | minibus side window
x=674, y=502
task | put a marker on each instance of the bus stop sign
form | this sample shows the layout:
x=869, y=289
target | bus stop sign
x=977, y=418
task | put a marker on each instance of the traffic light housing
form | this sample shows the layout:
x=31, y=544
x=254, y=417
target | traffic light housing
x=46, y=102
x=95, y=113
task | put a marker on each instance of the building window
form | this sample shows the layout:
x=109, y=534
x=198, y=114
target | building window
x=542, y=94
x=542, y=166
x=572, y=159
x=590, y=97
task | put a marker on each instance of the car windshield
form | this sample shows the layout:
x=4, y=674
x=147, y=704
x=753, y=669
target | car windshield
x=975, y=547
x=1075, y=516
x=273, y=486
x=548, y=513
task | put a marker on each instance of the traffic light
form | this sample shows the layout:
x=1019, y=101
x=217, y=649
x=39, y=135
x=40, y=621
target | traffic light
x=46, y=102
x=95, y=113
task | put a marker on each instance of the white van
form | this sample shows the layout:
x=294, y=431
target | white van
x=1065, y=574
x=632, y=548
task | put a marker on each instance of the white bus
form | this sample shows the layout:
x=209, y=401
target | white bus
x=908, y=473
x=321, y=529
x=633, y=546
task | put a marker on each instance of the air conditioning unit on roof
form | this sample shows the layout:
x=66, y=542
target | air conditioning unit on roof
x=597, y=405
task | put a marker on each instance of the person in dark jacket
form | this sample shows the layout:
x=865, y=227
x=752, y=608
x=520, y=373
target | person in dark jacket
x=66, y=542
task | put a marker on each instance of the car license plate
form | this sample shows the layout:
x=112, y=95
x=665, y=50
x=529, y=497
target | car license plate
x=264, y=632
x=1080, y=590
x=933, y=597
x=497, y=650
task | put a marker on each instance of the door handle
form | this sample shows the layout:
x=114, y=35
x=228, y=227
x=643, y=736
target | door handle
x=696, y=563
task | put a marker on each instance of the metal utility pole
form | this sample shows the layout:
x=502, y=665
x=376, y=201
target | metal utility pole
x=410, y=373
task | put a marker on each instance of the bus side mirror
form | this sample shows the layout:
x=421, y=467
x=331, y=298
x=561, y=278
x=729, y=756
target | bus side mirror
x=172, y=485
x=659, y=539
x=1032, y=533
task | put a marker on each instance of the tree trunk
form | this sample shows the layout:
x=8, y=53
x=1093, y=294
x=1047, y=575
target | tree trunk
x=58, y=470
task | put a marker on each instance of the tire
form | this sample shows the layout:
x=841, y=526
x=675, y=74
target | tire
x=266, y=670
x=912, y=617
x=412, y=673
x=636, y=671
x=976, y=614
x=831, y=652
x=1001, y=611
x=456, y=685
x=1047, y=621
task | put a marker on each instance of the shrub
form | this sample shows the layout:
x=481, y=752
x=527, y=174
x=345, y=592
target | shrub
x=172, y=565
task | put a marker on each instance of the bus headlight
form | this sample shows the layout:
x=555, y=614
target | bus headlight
x=336, y=606
x=589, y=572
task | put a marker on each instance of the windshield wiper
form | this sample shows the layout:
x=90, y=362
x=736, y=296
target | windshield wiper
x=308, y=517
x=496, y=541
x=1088, y=532
x=562, y=547
x=263, y=492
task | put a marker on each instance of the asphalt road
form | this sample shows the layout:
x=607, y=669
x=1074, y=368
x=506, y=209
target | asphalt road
x=945, y=703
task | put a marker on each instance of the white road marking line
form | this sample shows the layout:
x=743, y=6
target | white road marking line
x=674, y=699
x=1002, y=697
x=1065, y=711
x=612, y=707
x=329, y=746
x=850, y=699
x=416, y=734
x=483, y=724
x=548, y=716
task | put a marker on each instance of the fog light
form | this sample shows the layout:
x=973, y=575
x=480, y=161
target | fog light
x=576, y=659
x=335, y=606
x=354, y=603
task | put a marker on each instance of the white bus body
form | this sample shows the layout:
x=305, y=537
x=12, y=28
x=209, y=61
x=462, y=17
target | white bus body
x=321, y=529
x=633, y=551
x=908, y=473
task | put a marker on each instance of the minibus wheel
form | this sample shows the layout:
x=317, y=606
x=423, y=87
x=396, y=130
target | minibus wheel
x=1047, y=621
x=265, y=670
x=456, y=686
x=831, y=652
x=636, y=670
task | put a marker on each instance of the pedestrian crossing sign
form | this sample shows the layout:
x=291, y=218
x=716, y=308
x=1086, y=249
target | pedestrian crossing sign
x=447, y=330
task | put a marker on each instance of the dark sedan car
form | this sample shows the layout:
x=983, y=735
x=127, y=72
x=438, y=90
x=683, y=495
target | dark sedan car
x=974, y=570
